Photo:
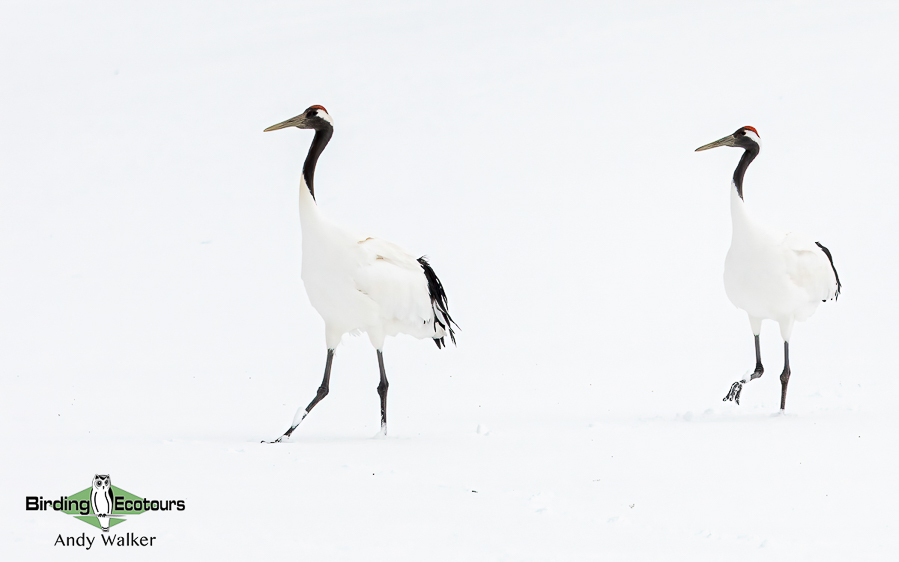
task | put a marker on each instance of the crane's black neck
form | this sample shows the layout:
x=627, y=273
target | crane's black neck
x=322, y=137
x=752, y=150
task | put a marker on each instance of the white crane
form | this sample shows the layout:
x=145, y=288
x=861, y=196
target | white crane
x=781, y=276
x=358, y=283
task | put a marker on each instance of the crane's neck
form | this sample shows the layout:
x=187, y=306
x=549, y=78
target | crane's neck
x=740, y=219
x=739, y=216
x=748, y=156
x=322, y=137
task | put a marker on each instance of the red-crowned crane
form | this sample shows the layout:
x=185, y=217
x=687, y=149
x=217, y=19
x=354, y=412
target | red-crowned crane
x=781, y=276
x=359, y=283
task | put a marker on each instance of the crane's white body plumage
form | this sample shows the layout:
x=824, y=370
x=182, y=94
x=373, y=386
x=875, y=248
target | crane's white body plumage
x=360, y=283
x=771, y=274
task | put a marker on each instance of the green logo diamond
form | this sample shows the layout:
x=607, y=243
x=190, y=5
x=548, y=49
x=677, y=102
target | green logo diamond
x=120, y=497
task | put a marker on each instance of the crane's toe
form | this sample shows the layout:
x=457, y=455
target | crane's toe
x=734, y=392
x=284, y=437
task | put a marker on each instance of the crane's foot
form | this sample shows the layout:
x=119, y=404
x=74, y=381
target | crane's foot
x=734, y=392
x=297, y=420
x=381, y=434
x=283, y=437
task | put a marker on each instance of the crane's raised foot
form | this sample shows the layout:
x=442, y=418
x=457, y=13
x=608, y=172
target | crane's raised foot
x=734, y=392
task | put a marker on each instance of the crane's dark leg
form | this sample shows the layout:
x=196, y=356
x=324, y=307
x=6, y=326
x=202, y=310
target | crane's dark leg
x=737, y=387
x=759, y=370
x=322, y=392
x=382, y=392
x=785, y=376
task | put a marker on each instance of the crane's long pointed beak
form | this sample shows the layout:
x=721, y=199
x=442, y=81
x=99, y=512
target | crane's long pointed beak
x=298, y=121
x=726, y=141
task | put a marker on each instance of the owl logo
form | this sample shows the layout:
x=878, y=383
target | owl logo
x=102, y=500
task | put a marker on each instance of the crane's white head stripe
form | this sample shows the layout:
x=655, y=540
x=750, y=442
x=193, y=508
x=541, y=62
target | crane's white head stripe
x=319, y=111
x=753, y=134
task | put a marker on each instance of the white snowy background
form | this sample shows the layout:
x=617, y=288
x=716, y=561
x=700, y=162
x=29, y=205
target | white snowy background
x=153, y=324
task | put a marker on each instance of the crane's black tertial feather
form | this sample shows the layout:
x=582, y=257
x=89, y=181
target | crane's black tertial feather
x=439, y=303
x=835, y=274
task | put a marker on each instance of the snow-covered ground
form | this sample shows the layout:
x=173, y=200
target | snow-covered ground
x=153, y=324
